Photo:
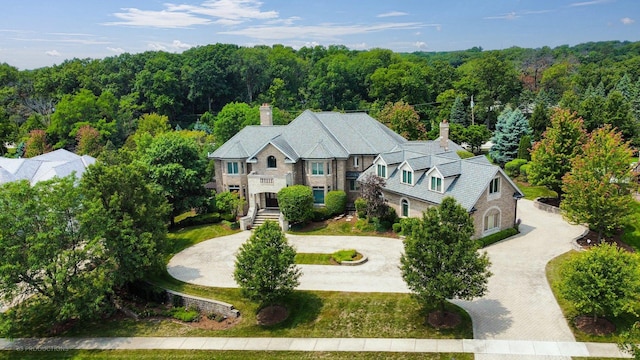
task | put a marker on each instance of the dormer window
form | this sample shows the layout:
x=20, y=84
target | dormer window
x=435, y=184
x=382, y=171
x=494, y=186
x=271, y=162
x=407, y=177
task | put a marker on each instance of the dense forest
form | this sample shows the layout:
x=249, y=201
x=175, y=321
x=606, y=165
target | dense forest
x=217, y=88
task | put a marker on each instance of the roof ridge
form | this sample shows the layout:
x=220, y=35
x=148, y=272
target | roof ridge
x=328, y=132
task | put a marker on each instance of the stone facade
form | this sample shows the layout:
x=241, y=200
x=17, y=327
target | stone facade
x=206, y=306
x=504, y=205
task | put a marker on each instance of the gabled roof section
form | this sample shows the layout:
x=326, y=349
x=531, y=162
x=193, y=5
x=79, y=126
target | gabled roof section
x=235, y=150
x=419, y=163
x=449, y=169
x=318, y=151
x=280, y=143
x=394, y=157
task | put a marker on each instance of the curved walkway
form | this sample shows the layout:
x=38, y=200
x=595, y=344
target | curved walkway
x=519, y=304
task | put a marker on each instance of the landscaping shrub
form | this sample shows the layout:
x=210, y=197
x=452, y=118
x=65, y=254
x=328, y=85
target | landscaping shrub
x=524, y=171
x=344, y=255
x=296, y=203
x=397, y=227
x=407, y=224
x=361, y=207
x=513, y=167
x=203, y=219
x=320, y=214
x=336, y=202
x=228, y=217
x=494, y=238
x=390, y=217
x=183, y=314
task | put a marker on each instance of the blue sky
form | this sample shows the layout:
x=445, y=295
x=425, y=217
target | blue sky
x=36, y=33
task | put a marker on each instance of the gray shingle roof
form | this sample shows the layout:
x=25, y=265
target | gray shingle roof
x=58, y=163
x=341, y=135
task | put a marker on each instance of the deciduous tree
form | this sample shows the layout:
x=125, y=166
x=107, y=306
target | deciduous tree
x=603, y=281
x=265, y=267
x=441, y=260
x=551, y=156
x=597, y=189
x=403, y=119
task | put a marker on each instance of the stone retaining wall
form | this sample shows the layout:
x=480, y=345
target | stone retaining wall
x=204, y=305
x=545, y=207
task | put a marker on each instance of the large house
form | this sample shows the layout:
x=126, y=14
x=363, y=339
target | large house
x=332, y=151
x=58, y=163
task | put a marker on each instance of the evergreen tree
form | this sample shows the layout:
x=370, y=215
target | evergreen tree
x=458, y=113
x=539, y=120
x=510, y=128
x=524, y=148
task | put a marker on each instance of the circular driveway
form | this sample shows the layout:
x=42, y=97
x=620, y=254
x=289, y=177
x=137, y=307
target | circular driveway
x=519, y=304
x=211, y=263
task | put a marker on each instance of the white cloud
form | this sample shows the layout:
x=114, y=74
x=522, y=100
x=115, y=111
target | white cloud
x=115, y=50
x=360, y=46
x=159, y=19
x=157, y=47
x=589, y=3
x=320, y=31
x=627, y=20
x=392, y=13
x=223, y=12
x=421, y=44
x=510, y=16
x=177, y=44
x=54, y=53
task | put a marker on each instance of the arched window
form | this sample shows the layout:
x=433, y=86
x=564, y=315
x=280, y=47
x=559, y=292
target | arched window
x=491, y=220
x=271, y=162
x=404, y=205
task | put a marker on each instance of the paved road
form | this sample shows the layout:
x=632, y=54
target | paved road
x=505, y=349
x=518, y=306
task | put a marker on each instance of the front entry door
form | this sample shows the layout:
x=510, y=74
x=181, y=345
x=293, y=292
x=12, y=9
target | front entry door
x=271, y=200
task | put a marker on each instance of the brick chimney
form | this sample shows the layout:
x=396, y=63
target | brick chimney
x=266, y=118
x=444, y=135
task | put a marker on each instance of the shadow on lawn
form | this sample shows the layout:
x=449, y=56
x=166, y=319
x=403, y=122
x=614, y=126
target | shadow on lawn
x=304, y=307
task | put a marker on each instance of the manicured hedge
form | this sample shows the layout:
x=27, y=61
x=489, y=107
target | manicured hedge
x=336, y=202
x=494, y=238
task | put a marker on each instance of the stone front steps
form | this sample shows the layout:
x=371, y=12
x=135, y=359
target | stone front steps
x=264, y=215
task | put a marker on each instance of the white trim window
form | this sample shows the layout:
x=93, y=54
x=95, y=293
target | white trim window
x=233, y=168
x=407, y=177
x=356, y=161
x=491, y=221
x=494, y=186
x=382, y=170
x=272, y=162
x=404, y=208
x=317, y=168
x=435, y=184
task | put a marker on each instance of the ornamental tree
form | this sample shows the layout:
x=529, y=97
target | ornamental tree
x=603, y=281
x=597, y=190
x=551, y=156
x=403, y=119
x=440, y=259
x=265, y=267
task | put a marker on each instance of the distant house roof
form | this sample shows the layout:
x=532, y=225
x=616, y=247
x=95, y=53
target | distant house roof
x=58, y=163
x=314, y=135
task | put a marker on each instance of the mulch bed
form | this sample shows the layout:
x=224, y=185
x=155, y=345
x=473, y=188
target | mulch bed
x=591, y=239
x=444, y=319
x=272, y=315
x=600, y=327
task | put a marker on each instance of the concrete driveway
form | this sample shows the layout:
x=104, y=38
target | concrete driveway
x=518, y=306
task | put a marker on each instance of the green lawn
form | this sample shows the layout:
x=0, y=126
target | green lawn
x=623, y=323
x=327, y=259
x=230, y=355
x=355, y=227
x=631, y=234
x=312, y=314
x=183, y=238
x=531, y=192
